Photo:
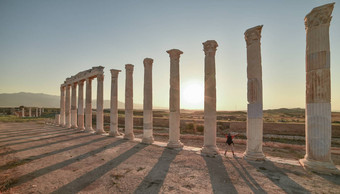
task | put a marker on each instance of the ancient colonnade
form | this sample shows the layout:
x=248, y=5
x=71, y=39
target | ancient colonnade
x=38, y=112
x=318, y=107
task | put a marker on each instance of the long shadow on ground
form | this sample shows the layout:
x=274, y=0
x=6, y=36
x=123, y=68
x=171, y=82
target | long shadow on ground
x=219, y=178
x=278, y=177
x=47, y=144
x=252, y=184
x=27, y=177
x=30, y=137
x=153, y=182
x=28, y=133
x=90, y=177
x=32, y=158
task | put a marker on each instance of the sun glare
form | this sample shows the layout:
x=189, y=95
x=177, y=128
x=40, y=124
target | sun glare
x=192, y=95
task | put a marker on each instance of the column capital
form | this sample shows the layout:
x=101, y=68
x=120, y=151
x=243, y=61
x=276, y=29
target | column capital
x=81, y=82
x=210, y=46
x=319, y=16
x=129, y=67
x=114, y=73
x=148, y=62
x=100, y=77
x=174, y=53
x=253, y=34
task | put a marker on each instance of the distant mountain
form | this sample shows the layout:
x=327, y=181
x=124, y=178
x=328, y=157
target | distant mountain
x=44, y=100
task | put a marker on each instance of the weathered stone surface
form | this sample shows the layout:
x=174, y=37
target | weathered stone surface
x=129, y=102
x=68, y=107
x=88, y=108
x=100, y=104
x=209, y=147
x=147, y=105
x=81, y=105
x=62, y=106
x=174, y=101
x=255, y=107
x=318, y=92
x=74, y=106
x=114, y=103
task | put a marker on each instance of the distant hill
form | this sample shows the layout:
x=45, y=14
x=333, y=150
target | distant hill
x=44, y=100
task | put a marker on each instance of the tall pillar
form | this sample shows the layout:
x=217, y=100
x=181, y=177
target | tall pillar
x=30, y=111
x=100, y=104
x=40, y=113
x=36, y=112
x=174, y=104
x=114, y=103
x=81, y=105
x=209, y=146
x=74, y=106
x=23, y=112
x=147, y=105
x=68, y=107
x=255, y=99
x=88, y=109
x=129, y=102
x=318, y=92
x=62, y=106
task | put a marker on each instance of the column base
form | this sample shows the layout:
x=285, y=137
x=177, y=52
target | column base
x=81, y=128
x=89, y=130
x=319, y=167
x=147, y=140
x=114, y=134
x=129, y=136
x=100, y=131
x=210, y=150
x=254, y=156
x=175, y=144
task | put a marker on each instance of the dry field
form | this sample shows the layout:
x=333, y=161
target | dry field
x=39, y=158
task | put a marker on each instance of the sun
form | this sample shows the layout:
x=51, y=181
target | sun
x=192, y=95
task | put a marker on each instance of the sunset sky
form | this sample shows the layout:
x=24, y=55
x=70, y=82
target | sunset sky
x=42, y=42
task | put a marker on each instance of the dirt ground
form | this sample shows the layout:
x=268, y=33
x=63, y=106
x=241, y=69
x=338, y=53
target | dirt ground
x=38, y=158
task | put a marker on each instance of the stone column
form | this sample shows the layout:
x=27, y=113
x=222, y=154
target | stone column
x=114, y=103
x=30, y=112
x=147, y=104
x=88, y=109
x=318, y=92
x=74, y=106
x=129, y=102
x=23, y=112
x=100, y=104
x=81, y=105
x=174, y=104
x=255, y=99
x=40, y=113
x=68, y=107
x=62, y=106
x=36, y=112
x=209, y=146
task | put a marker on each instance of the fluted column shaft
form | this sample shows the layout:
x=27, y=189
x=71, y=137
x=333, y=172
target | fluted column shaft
x=255, y=99
x=174, y=101
x=88, y=109
x=62, y=106
x=81, y=105
x=68, y=107
x=100, y=104
x=318, y=91
x=36, y=112
x=74, y=106
x=129, y=102
x=23, y=112
x=209, y=146
x=147, y=105
x=114, y=104
x=30, y=112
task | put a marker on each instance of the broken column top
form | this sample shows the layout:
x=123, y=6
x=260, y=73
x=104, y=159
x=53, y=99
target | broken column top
x=90, y=73
x=174, y=52
x=253, y=34
x=210, y=46
x=147, y=62
x=129, y=67
x=114, y=72
x=319, y=16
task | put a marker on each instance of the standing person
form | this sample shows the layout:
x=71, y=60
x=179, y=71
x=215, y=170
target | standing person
x=230, y=143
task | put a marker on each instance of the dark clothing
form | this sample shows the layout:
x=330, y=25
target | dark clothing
x=229, y=139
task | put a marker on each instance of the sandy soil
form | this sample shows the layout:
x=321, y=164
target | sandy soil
x=37, y=158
